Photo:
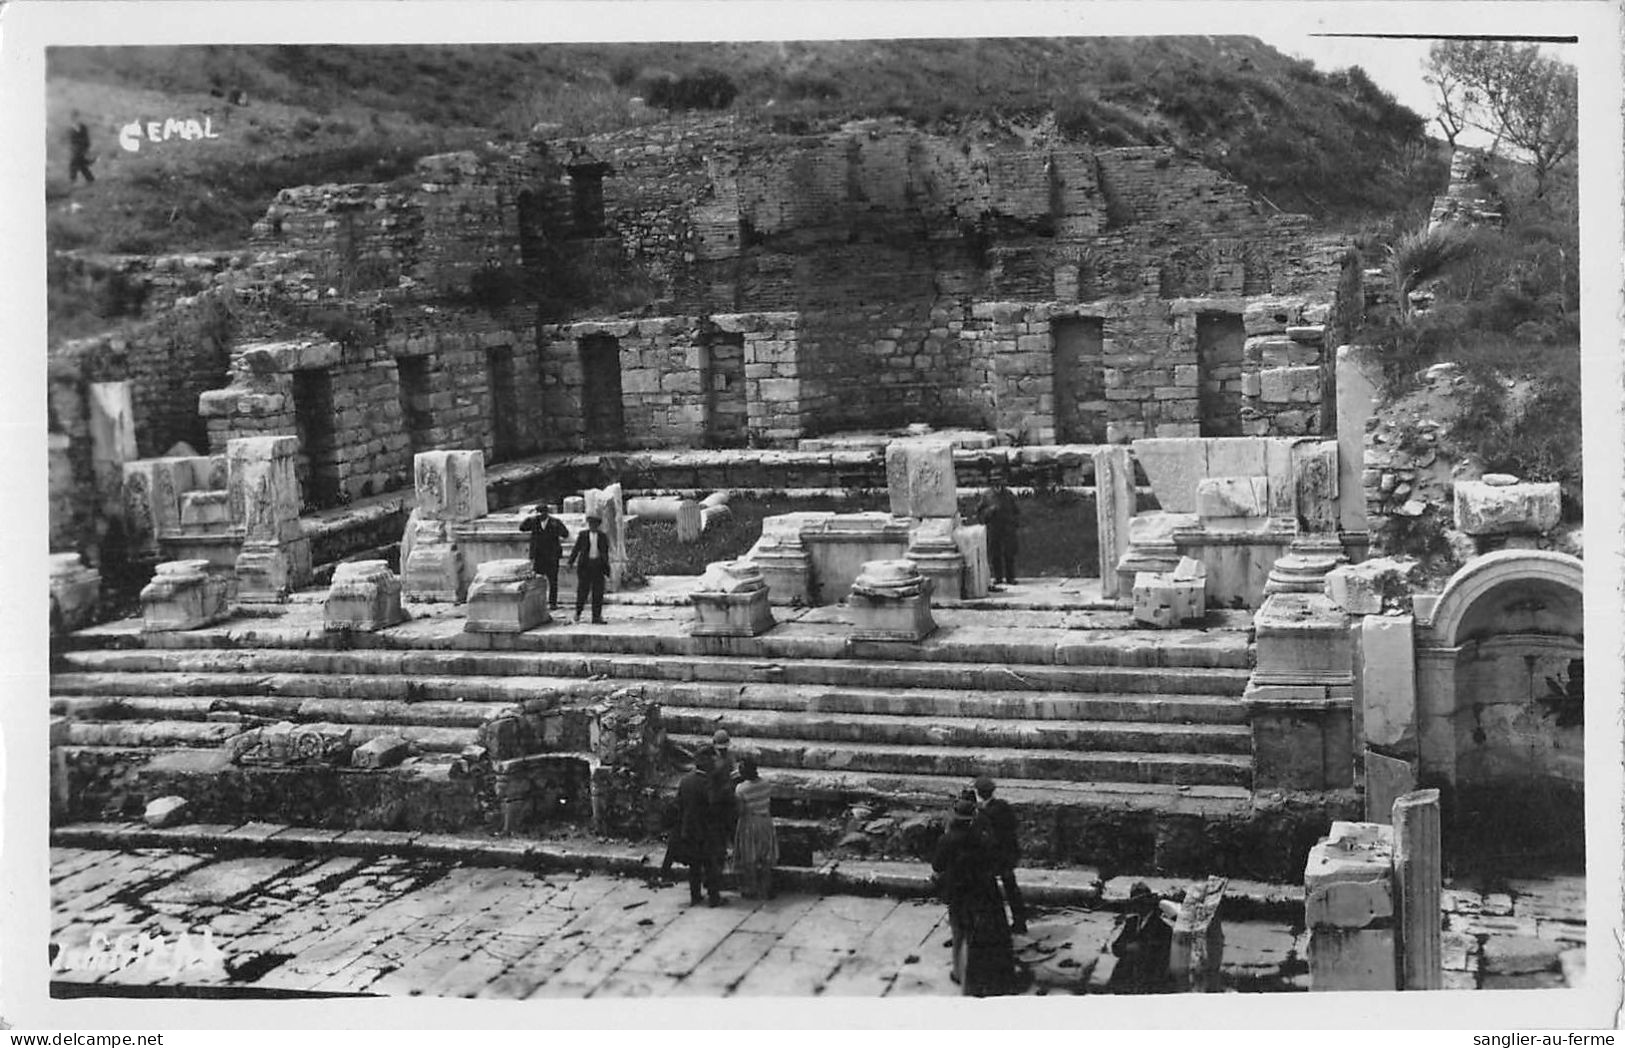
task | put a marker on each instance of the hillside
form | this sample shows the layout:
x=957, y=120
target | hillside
x=1332, y=145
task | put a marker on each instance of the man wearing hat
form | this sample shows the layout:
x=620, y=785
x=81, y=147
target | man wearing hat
x=547, y=538
x=724, y=776
x=983, y=955
x=590, y=558
x=996, y=824
x=697, y=841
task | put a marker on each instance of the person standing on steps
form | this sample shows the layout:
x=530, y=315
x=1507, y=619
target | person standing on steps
x=697, y=841
x=79, y=151
x=996, y=508
x=756, y=844
x=984, y=960
x=547, y=537
x=590, y=558
x=996, y=824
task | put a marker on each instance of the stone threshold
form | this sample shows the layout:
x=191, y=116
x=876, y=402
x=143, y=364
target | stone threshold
x=1077, y=886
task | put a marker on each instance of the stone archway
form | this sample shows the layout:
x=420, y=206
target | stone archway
x=1500, y=697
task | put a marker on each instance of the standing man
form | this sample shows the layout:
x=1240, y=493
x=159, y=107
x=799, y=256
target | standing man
x=997, y=509
x=996, y=824
x=697, y=842
x=983, y=955
x=590, y=558
x=79, y=150
x=547, y=537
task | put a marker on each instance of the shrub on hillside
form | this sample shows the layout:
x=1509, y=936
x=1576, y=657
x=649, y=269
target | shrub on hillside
x=703, y=89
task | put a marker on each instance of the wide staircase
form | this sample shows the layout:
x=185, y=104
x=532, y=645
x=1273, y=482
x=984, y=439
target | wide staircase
x=1120, y=747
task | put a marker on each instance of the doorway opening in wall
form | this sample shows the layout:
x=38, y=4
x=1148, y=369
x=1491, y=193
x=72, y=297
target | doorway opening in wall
x=1080, y=385
x=417, y=407
x=505, y=436
x=603, y=418
x=317, y=465
x=1219, y=341
x=724, y=378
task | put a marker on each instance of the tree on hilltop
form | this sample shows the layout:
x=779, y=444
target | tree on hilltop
x=1512, y=93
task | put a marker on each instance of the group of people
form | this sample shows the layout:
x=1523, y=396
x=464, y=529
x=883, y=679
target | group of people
x=589, y=557
x=723, y=802
x=974, y=872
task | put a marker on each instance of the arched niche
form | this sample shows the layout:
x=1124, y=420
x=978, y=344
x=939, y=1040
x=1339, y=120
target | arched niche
x=1499, y=683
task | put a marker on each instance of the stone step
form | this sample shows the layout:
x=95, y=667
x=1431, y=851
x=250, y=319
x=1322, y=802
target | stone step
x=816, y=634
x=967, y=762
x=987, y=733
x=243, y=709
x=168, y=735
x=406, y=674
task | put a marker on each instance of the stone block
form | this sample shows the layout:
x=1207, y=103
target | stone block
x=1315, y=485
x=183, y=595
x=1342, y=959
x=608, y=505
x=1388, y=680
x=1518, y=955
x=1289, y=385
x=166, y=811
x=890, y=601
x=383, y=751
x=1166, y=600
x=507, y=596
x=264, y=492
x=731, y=600
x=934, y=554
x=286, y=743
x=971, y=541
x=1386, y=780
x=1300, y=743
x=1490, y=509
x=364, y=595
x=271, y=571
x=920, y=478
x=1236, y=457
x=1173, y=465
x=1115, y=498
x=75, y=589
x=450, y=485
x=1303, y=637
x=1227, y=497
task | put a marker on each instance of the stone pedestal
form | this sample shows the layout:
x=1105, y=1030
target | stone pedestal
x=1115, y=498
x=920, y=478
x=1418, y=873
x=364, y=596
x=1172, y=598
x=75, y=589
x=450, y=491
x=731, y=601
x=935, y=555
x=972, y=543
x=152, y=496
x=890, y=600
x=183, y=596
x=785, y=564
x=1151, y=546
x=1349, y=909
x=1306, y=564
x=841, y=544
x=264, y=496
x=507, y=596
x=1303, y=638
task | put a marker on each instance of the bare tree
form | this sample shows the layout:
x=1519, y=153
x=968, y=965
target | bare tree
x=1510, y=92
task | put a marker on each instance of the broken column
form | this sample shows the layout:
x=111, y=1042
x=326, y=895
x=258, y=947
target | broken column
x=890, y=600
x=1150, y=547
x=731, y=600
x=1317, y=549
x=684, y=514
x=1115, y=497
x=264, y=496
x=182, y=596
x=450, y=490
x=934, y=553
x=364, y=595
x=507, y=596
x=1349, y=909
x=972, y=542
x=1417, y=889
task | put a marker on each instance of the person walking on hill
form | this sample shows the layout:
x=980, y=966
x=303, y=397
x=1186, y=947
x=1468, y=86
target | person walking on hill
x=756, y=844
x=547, y=537
x=996, y=824
x=996, y=508
x=590, y=558
x=79, y=151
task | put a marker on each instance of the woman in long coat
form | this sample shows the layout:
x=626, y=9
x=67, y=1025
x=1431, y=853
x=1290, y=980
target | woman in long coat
x=756, y=844
x=984, y=957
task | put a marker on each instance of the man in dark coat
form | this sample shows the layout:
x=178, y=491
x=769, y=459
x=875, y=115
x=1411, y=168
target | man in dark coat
x=697, y=841
x=590, y=558
x=79, y=151
x=996, y=508
x=547, y=537
x=984, y=959
x=996, y=824
x=1142, y=945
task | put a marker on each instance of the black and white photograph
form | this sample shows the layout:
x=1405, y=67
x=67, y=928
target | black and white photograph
x=813, y=513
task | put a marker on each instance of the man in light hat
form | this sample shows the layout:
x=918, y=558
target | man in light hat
x=590, y=558
x=996, y=824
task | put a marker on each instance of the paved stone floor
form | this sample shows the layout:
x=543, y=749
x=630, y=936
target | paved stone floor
x=165, y=921
x=386, y=925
